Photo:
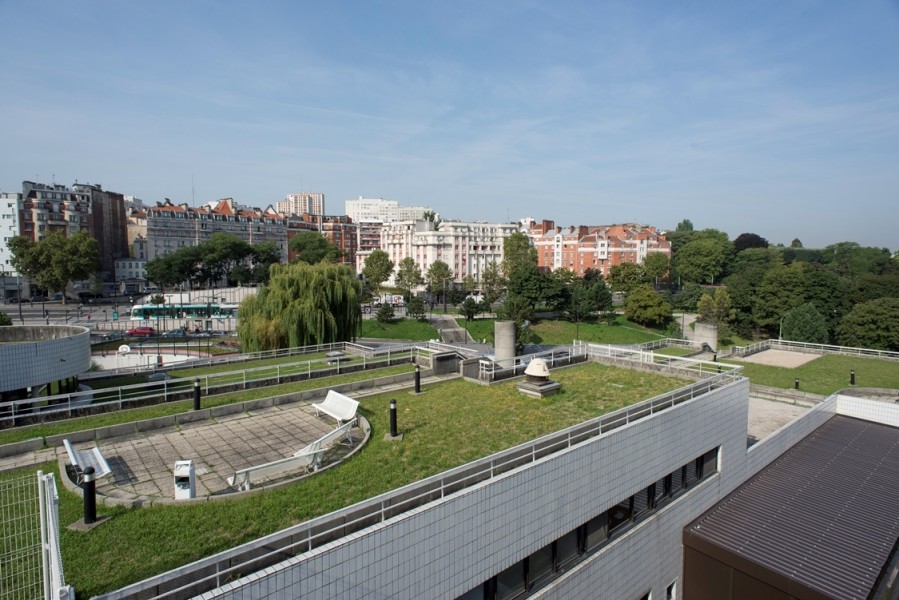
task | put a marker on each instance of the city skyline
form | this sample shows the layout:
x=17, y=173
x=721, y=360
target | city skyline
x=777, y=120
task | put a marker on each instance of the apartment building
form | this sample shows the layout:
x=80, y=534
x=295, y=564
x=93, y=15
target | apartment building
x=311, y=203
x=172, y=226
x=383, y=211
x=10, y=203
x=599, y=247
x=466, y=247
x=57, y=208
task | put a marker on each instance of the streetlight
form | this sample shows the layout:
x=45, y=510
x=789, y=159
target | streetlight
x=781, y=331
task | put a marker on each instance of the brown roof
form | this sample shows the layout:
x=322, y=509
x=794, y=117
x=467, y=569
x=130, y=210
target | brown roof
x=822, y=520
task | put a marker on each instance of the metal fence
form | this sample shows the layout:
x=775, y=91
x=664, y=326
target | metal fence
x=741, y=351
x=358, y=358
x=30, y=560
x=499, y=370
x=214, y=571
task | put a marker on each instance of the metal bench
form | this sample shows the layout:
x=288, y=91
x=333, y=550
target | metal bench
x=305, y=459
x=82, y=459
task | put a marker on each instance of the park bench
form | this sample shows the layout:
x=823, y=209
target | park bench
x=309, y=459
x=82, y=459
x=343, y=408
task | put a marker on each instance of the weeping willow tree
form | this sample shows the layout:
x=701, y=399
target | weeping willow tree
x=302, y=305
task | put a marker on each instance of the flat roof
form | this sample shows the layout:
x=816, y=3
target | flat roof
x=822, y=520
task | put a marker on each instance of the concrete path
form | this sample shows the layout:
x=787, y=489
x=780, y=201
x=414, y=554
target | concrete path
x=450, y=332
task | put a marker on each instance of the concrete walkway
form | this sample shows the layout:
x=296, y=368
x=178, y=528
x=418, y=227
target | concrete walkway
x=450, y=332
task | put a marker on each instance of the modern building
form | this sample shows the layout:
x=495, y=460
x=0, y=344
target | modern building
x=10, y=204
x=383, y=211
x=599, y=247
x=609, y=508
x=312, y=203
x=131, y=272
x=171, y=226
x=108, y=225
x=466, y=247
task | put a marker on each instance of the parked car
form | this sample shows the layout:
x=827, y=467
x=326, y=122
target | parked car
x=38, y=298
x=174, y=333
x=141, y=331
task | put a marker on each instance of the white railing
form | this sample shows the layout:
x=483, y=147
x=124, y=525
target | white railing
x=665, y=343
x=809, y=347
x=17, y=412
x=497, y=370
x=55, y=587
x=212, y=572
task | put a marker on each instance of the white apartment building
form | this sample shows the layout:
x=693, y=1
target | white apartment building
x=9, y=225
x=466, y=247
x=311, y=203
x=384, y=211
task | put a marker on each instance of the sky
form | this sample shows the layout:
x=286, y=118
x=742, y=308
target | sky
x=779, y=118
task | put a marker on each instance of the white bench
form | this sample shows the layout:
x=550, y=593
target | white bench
x=336, y=405
x=307, y=460
x=82, y=459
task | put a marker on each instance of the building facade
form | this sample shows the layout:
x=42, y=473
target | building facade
x=599, y=247
x=173, y=226
x=10, y=204
x=466, y=247
x=312, y=203
x=383, y=211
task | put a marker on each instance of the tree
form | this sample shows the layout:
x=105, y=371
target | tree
x=470, y=308
x=493, y=283
x=749, y=240
x=646, y=306
x=431, y=217
x=873, y=324
x=439, y=277
x=780, y=291
x=221, y=253
x=302, y=305
x=626, y=276
x=520, y=311
x=265, y=254
x=682, y=234
x=656, y=266
x=518, y=253
x=378, y=268
x=415, y=307
x=5, y=320
x=796, y=243
x=805, y=324
x=702, y=260
x=408, y=276
x=386, y=313
x=56, y=260
x=716, y=308
x=688, y=297
x=311, y=247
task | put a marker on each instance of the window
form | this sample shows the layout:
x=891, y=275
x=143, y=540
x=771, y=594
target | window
x=540, y=564
x=671, y=591
x=566, y=549
x=620, y=514
x=510, y=582
x=597, y=532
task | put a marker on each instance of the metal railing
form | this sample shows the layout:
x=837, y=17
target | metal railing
x=214, y=571
x=677, y=365
x=740, y=351
x=498, y=370
x=32, y=410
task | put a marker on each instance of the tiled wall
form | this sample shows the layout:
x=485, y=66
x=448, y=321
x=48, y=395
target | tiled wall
x=879, y=411
x=444, y=549
x=65, y=352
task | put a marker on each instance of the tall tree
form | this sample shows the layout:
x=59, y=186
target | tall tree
x=220, y=253
x=749, y=240
x=805, y=324
x=378, y=268
x=780, y=291
x=626, y=276
x=682, y=234
x=302, y=305
x=702, y=260
x=873, y=324
x=646, y=306
x=656, y=266
x=56, y=260
x=439, y=277
x=408, y=276
x=493, y=283
x=716, y=308
x=311, y=247
x=265, y=254
x=518, y=253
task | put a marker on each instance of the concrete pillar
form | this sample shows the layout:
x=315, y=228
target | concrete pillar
x=504, y=340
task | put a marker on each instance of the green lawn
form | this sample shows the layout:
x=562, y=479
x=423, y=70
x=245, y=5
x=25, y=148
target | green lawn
x=19, y=434
x=826, y=374
x=548, y=331
x=450, y=424
x=399, y=329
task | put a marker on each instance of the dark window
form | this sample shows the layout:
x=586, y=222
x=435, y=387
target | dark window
x=597, y=531
x=620, y=515
x=671, y=591
x=710, y=460
x=474, y=594
x=540, y=564
x=677, y=480
x=510, y=582
x=566, y=549
x=642, y=501
x=690, y=475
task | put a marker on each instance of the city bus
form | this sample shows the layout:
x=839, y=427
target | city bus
x=205, y=310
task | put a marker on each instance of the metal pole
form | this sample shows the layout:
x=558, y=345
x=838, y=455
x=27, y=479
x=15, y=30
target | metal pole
x=417, y=379
x=89, y=487
x=796, y=384
x=852, y=377
x=393, y=418
x=197, y=393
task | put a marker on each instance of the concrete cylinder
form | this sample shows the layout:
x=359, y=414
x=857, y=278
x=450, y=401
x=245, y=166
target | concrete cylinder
x=504, y=340
x=706, y=333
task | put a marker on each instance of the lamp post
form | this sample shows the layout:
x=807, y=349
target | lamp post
x=781, y=331
x=19, y=284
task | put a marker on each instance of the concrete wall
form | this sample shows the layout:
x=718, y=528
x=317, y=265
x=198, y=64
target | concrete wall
x=706, y=333
x=36, y=355
x=504, y=340
x=452, y=545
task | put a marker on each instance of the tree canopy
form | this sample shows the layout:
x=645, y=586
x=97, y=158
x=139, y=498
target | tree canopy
x=56, y=260
x=311, y=247
x=646, y=306
x=378, y=268
x=873, y=324
x=408, y=276
x=302, y=305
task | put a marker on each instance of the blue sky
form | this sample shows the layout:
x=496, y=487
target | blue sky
x=777, y=118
